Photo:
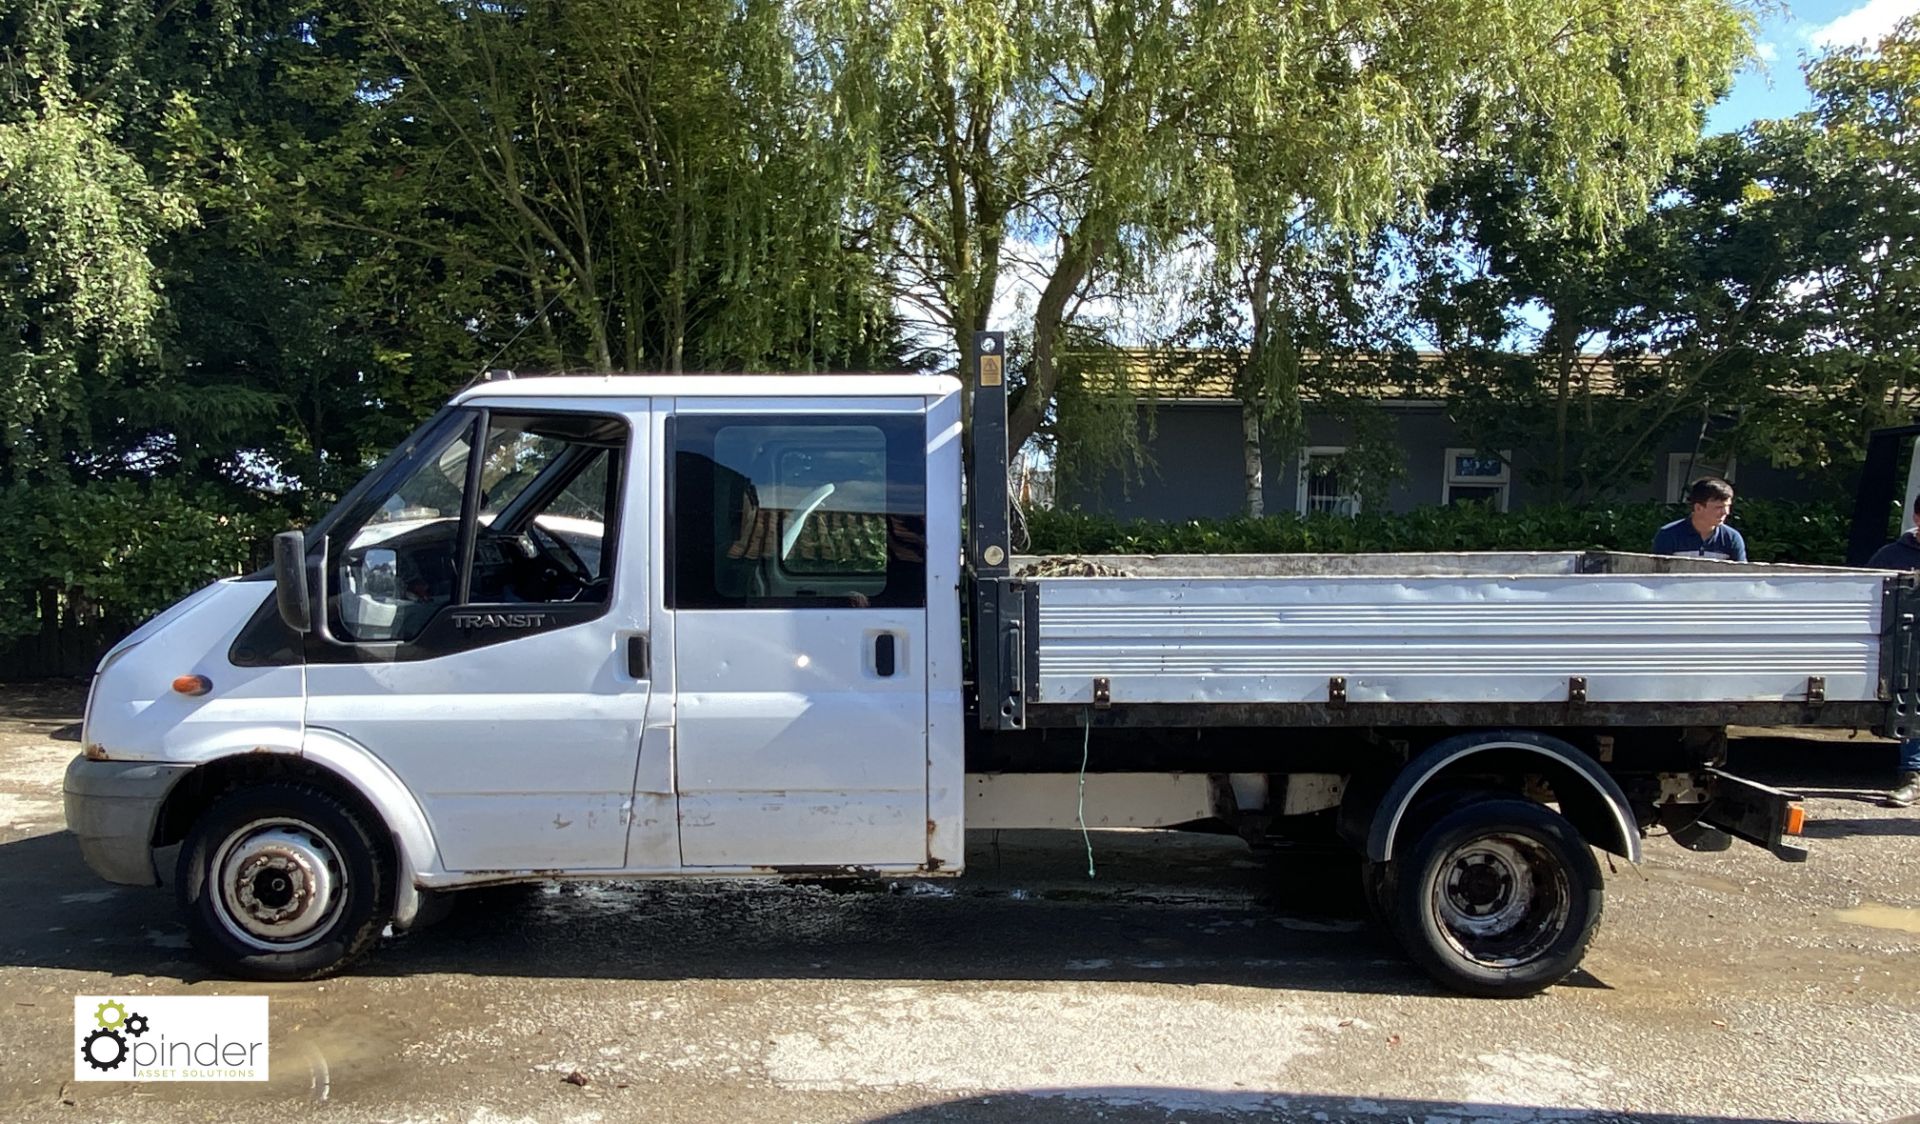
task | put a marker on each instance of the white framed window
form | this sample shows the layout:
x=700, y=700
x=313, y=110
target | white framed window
x=1684, y=468
x=1477, y=476
x=1320, y=486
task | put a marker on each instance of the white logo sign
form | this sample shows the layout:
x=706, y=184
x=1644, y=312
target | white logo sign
x=170, y=1038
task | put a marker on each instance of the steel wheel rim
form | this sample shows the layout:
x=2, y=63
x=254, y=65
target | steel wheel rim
x=278, y=884
x=1501, y=900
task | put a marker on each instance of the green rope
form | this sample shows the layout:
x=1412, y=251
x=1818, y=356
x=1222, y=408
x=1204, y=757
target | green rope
x=1086, y=746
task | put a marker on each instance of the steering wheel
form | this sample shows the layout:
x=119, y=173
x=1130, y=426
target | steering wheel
x=558, y=549
x=807, y=505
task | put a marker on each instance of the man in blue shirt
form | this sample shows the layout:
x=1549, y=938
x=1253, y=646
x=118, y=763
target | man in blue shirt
x=1704, y=533
x=1903, y=553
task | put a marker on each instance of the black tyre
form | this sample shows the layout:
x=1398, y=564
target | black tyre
x=284, y=881
x=1499, y=898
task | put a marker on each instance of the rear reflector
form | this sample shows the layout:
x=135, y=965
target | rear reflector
x=1796, y=819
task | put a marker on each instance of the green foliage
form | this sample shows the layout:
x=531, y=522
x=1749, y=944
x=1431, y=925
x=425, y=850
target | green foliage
x=1124, y=134
x=1765, y=305
x=245, y=244
x=637, y=184
x=80, y=219
x=1851, y=182
x=117, y=552
x=1775, y=531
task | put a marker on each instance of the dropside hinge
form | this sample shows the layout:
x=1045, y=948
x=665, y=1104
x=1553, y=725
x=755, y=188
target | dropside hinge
x=1102, y=692
x=1577, y=688
x=1336, y=690
x=1816, y=690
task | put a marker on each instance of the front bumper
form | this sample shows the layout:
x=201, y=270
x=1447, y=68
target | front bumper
x=111, y=809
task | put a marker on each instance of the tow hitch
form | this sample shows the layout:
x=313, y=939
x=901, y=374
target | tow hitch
x=1760, y=814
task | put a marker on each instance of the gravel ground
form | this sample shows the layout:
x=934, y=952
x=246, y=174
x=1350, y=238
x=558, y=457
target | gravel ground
x=1188, y=981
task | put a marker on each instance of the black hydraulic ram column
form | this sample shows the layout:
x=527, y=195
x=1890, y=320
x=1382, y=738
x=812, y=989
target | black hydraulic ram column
x=1005, y=610
x=988, y=514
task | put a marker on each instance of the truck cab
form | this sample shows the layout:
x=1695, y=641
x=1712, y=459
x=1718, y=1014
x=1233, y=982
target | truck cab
x=631, y=626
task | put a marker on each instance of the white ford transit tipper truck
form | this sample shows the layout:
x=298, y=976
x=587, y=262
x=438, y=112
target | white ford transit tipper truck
x=704, y=626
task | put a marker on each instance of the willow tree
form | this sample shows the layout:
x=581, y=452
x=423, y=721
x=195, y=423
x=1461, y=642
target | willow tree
x=1115, y=132
x=161, y=314
x=80, y=221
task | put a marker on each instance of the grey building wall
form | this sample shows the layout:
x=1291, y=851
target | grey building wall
x=1195, y=469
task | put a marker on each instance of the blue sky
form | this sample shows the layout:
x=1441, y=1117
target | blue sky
x=1787, y=35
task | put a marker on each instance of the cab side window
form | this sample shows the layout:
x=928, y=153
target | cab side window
x=400, y=567
x=511, y=511
x=797, y=512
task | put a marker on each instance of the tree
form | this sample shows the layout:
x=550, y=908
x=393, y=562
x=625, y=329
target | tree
x=80, y=218
x=651, y=182
x=1709, y=321
x=1684, y=321
x=1308, y=317
x=1858, y=302
x=1766, y=304
x=1114, y=134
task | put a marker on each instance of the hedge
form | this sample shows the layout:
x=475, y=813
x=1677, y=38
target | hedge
x=1776, y=531
x=114, y=553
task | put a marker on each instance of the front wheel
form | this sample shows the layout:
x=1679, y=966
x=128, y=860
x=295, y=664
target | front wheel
x=283, y=881
x=1498, y=898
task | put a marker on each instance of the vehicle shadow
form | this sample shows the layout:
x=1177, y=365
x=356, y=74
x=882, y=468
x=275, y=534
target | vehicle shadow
x=53, y=702
x=1294, y=922
x=1158, y=1104
x=1839, y=829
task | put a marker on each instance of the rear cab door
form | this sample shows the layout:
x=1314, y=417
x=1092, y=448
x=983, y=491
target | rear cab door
x=816, y=692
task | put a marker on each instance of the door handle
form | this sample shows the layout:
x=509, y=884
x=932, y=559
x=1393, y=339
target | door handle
x=639, y=657
x=883, y=654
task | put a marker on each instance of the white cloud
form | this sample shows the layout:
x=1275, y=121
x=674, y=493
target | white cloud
x=1868, y=24
x=1768, y=52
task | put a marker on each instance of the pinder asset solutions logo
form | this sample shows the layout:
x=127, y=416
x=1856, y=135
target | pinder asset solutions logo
x=170, y=1038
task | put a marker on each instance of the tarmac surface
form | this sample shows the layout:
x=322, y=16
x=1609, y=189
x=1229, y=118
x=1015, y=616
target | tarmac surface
x=1188, y=980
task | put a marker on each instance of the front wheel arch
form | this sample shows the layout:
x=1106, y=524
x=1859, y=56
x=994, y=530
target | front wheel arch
x=190, y=798
x=343, y=768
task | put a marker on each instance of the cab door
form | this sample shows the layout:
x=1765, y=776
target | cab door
x=486, y=629
x=797, y=576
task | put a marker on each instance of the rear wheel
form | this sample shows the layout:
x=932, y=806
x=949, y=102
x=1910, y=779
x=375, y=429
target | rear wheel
x=283, y=881
x=1498, y=898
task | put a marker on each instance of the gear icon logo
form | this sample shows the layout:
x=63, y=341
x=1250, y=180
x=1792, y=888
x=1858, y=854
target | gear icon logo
x=104, y=1049
x=107, y=1046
